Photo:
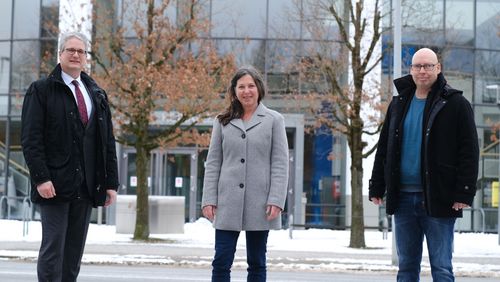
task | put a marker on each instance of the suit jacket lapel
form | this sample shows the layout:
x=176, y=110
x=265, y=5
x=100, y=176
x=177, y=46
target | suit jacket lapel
x=257, y=117
x=238, y=123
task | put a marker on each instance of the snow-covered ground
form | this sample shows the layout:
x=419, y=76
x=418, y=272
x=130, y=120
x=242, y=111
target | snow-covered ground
x=200, y=234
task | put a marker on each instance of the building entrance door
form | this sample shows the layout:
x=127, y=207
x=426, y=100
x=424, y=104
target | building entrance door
x=178, y=174
x=172, y=172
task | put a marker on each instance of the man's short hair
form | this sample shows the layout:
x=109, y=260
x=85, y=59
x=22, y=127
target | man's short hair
x=67, y=36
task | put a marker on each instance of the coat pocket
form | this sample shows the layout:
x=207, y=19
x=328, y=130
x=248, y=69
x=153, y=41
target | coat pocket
x=65, y=178
x=446, y=182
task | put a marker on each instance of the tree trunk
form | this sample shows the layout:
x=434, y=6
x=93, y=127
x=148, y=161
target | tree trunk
x=142, y=213
x=357, y=220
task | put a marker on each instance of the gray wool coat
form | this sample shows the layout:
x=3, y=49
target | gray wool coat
x=246, y=170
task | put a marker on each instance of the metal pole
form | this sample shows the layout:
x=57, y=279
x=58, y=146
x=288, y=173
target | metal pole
x=498, y=189
x=99, y=215
x=396, y=16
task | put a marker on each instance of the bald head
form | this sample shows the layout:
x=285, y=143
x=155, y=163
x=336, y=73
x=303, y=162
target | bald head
x=425, y=68
x=425, y=53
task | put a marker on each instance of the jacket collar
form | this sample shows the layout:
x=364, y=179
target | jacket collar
x=256, y=119
x=94, y=89
x=406, y=87
x=56, y=75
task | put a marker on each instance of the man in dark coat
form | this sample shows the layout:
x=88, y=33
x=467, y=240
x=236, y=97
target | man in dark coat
x=69, y=148
x=426, y=166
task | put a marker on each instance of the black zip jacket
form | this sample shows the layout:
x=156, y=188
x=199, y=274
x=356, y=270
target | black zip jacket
x=450, y=151
x=52, y=139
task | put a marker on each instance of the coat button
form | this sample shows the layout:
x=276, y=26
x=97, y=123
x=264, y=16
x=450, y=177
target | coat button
x=242, y=160
x=242, y=185
x=243, y=136
x=466, y=187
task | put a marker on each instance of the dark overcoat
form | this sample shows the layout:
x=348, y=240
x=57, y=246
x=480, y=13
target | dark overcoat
x=52, y=140
x=449, y=155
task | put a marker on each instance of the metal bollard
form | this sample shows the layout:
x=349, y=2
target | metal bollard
x=26, y=215
x=385, y=227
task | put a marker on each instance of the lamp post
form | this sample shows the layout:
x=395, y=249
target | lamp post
x=396, y=15
x=497, y=89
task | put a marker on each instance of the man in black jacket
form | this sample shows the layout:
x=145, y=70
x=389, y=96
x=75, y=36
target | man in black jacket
x=69, y=147
x=426, y=166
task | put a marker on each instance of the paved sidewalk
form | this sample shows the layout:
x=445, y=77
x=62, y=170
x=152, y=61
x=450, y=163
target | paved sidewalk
x=477, y=254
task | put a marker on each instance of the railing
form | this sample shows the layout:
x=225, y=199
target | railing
x=18, y=166
x=25, y=213
x=327, y=219
x=483, y=220
x=26, y=209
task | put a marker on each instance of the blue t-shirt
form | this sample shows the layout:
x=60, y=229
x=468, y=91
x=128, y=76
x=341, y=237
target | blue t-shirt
x=412, y=143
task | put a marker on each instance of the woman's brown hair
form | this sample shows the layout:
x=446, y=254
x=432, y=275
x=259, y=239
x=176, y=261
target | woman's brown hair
x=235, y=109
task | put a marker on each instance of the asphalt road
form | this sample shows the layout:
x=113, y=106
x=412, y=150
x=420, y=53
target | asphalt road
x=24, y=271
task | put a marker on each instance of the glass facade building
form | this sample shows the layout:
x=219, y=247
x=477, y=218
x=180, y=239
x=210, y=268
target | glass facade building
x=273, y=36
x=270, y=35
x=28, y=40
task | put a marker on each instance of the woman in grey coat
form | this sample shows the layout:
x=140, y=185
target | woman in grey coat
x=246, y=176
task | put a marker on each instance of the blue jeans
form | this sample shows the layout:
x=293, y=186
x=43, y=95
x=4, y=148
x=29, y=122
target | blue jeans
x=412, y=223
x=225, y=247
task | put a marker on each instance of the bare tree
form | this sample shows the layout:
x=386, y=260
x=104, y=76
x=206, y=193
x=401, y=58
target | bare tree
x=347, y=34
x=156, y=68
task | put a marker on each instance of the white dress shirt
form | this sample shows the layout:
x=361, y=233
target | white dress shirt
x=69, y=81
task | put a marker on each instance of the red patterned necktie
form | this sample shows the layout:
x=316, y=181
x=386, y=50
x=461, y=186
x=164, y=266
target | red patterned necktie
x=82, y=108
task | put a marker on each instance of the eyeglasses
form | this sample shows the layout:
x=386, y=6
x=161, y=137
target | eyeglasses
x=427, y=67
x=72, y=51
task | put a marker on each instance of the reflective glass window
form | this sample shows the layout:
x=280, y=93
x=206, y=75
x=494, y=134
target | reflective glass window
x=486, y=116
x=318, y=23
x=456, y=60
x=25, y=64
x=461, y=82
x=16, y=103
x=4, y=67
x=48, y=53
x=246, y=52
x=17, y=167
x=4, y=102
x=50, y=18
x=487, y=83
x=5, y=19
x=27, y=19
x=460, y=22
x=487, y=24
x=422, y=22
x=312, y=77
x=130, y=12
x=282, y=64
x=284, y=19
x=239, y=18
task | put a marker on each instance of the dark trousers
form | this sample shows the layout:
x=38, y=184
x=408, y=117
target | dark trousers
x=64, y=231
x=225, y=247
